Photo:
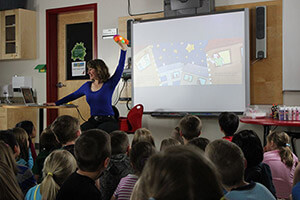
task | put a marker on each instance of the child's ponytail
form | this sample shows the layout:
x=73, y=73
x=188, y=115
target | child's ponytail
x=58, y=166
x=281, y=140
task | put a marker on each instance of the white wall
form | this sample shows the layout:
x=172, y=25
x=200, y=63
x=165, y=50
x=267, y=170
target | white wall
x=108, y=13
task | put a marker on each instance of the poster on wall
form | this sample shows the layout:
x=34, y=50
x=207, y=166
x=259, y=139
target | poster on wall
x=79, y=49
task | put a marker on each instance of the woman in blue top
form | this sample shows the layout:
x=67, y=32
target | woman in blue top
x=99, y=93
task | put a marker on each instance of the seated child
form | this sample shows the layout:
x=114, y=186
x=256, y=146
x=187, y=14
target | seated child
x=48, y=143
x=178, y=173
x=282, y=162
x=30, y=129
x=229, y=123
x=25, y=157
x=255, y=171
x=142, y=134
x=22, y=173
x=119, y=165
x=9, y=188
x=58, y=166
x=66, y=129
x=199, y=142
x=190, y=127
x=230, y=163
x=92, y=153
x=166, y=143
x=139, y=155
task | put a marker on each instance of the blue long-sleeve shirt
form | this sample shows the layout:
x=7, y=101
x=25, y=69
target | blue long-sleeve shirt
x=100, y=100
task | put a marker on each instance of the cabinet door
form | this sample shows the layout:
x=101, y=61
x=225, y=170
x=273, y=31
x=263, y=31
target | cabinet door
x=10, y=36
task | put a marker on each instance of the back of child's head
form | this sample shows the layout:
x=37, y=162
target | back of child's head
x=281, y=140
x=139, y=154
x=9, y=187
x=119, y=142
x=251, y=146
x=142, y=134
x=199, y=142
x=179, y=172
x=190, y=126
x=91, y=150
x=229, y=161
x=58, y=166
x=7, y=157
x=229, y=123
x=65, y=128
x=22, y=140
x=8, y=137
x=27, y=125
x=48, y=141
x=168, y=142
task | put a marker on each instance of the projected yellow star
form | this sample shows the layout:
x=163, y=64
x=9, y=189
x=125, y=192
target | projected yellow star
x=190, y=47
x=175, y=51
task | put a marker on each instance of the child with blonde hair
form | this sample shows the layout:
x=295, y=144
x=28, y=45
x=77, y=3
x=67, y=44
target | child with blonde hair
x=142, y=134
x=58, y=166
x=282, y=162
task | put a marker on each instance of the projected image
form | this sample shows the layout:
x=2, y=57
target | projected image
x=206, y=62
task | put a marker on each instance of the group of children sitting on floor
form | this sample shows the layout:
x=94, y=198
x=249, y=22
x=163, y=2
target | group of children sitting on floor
x=102, y=166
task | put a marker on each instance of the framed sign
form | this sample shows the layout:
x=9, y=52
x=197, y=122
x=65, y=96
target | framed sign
x=79, y=39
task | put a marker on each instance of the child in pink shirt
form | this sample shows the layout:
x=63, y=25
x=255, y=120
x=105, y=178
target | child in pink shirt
x=282, y=162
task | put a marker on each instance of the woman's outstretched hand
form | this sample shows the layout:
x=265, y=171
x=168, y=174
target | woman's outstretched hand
x=122, y=45
x=122, y=42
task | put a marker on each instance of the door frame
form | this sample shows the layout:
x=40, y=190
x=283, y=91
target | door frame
x=52, y=54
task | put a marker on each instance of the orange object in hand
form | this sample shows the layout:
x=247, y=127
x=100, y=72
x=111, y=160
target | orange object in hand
x=118, y=38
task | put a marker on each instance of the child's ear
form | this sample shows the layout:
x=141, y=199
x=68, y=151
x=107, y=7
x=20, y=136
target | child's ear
x=128, y=150
x=78, y=133
x=180, y=133
x=17, y=150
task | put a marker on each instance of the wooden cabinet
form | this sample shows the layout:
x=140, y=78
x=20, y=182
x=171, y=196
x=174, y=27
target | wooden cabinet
x=18, y=34
x=9, y=117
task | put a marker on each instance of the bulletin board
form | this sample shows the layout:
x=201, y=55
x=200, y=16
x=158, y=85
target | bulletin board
x=79, y=49
x=266, y=74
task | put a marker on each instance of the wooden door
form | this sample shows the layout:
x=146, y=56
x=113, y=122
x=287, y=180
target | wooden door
x=70, y=85
x=56, y=20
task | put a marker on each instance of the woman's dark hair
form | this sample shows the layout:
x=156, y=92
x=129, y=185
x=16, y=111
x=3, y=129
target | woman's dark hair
x=101, y=68
x=251, y=146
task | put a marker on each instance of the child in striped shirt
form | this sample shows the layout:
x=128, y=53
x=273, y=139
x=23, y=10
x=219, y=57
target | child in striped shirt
x=139, y=154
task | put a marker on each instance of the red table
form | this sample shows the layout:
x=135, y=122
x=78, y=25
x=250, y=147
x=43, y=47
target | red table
x=268, y=122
